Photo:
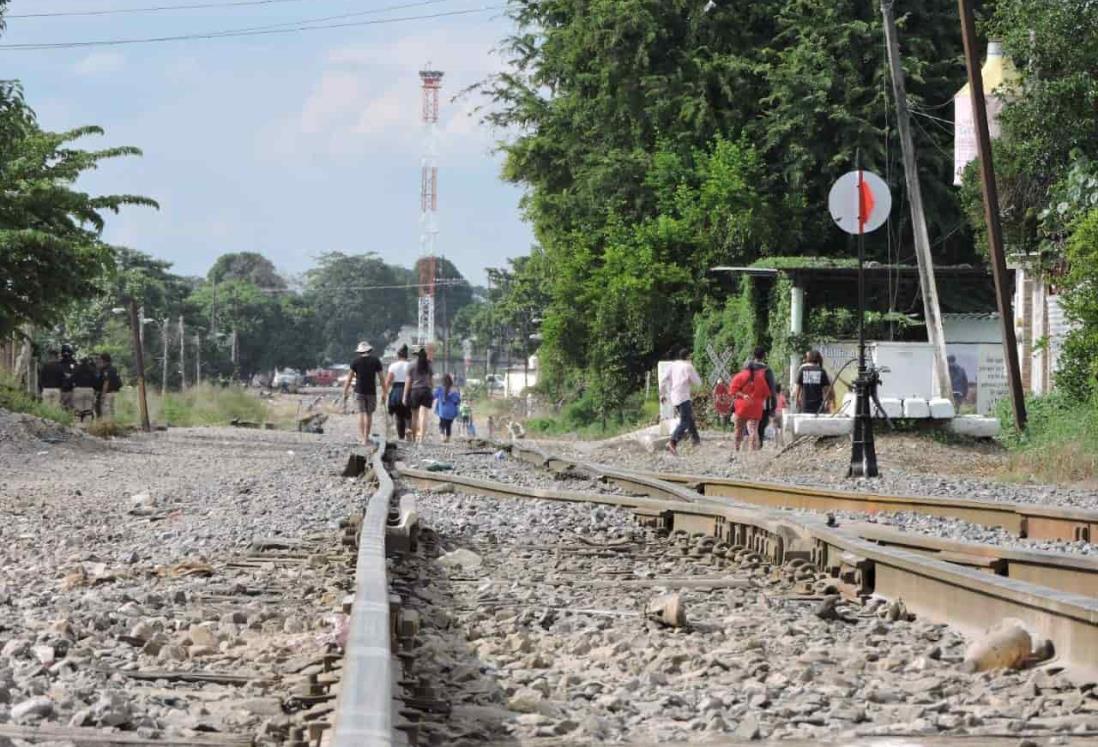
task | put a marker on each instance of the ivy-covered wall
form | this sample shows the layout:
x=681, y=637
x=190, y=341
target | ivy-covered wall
x=737, y=325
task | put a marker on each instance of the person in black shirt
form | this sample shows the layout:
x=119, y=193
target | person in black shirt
x=49, y=379
x=813, y=388
x=759, y=361
x=68, y=370
x=85, y=381
x=365, y=371
x=109, y=385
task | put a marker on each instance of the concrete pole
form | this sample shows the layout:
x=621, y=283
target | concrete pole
x=182, y=355
x=164, y=367
x=931, y=309
x=139, y=364
x=796, y=327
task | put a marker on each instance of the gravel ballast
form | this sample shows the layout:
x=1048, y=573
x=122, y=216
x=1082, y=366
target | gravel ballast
x=532, y=627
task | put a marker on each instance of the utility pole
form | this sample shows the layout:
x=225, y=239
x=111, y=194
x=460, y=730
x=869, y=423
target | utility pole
x=991, y=213
x=182, y=356
x=931, y=310
x=197, y=359
x=139, y=364
x=164, y=344
x=234, y=355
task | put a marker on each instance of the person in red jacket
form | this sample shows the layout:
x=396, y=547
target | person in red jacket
x=750, y=392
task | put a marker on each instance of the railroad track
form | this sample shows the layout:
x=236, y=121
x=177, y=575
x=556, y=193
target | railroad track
x=971, y=587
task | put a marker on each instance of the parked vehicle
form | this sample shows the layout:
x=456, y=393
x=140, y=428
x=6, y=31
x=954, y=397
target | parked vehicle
x=322, y=376
x=288, y=380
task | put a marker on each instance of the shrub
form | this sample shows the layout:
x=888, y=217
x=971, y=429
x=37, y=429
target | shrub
x=1060, y=442
x=14, y=398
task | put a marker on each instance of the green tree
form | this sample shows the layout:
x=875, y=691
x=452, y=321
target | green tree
x=658, y=137
x=358, y=297
x=250, y=266
x=46, y=223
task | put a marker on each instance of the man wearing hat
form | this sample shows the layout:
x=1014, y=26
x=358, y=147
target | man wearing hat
x=365, y=371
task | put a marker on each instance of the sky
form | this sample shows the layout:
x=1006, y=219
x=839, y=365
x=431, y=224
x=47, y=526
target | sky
x=291, y=145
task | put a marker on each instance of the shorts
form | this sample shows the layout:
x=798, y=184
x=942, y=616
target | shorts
x=366, y=403
x=420, y=398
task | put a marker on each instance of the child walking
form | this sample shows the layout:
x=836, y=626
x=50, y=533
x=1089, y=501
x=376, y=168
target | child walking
x=447, y=401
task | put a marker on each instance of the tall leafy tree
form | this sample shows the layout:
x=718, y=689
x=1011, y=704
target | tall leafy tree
x=656, y=137
x=51, y=252
x=358, y=297
x=250, y=266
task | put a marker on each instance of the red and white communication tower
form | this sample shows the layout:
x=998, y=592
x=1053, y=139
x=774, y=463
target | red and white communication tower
x=428, y=225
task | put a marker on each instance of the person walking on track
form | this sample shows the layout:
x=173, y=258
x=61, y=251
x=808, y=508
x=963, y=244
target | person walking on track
x=447, y=402
x=758, y=360
x=813, y=392
x=675, y=386
x=417, y=393
x=395, y=382
x=365, y=372
x=750, y=391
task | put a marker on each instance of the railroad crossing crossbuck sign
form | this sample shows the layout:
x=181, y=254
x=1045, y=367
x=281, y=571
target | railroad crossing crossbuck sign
x=720, y=363
x=859, y=202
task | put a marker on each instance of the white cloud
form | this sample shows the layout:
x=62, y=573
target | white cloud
x=98, y=63
x=367, y=101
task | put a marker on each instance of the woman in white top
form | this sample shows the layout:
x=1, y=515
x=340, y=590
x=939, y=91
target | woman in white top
x=395, y=381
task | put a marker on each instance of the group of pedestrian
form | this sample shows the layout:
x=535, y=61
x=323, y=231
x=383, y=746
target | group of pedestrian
x=750, y=401
x=409, y=394
x=84, y=387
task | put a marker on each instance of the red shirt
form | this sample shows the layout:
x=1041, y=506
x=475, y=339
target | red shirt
x=722, y=399
x=750, y=390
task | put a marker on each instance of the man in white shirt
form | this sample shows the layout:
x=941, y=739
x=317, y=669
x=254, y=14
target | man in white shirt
x=675, y=386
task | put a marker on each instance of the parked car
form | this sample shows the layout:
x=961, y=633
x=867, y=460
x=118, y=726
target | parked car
x=496, y=382
x=288, y=380
x=322, y=376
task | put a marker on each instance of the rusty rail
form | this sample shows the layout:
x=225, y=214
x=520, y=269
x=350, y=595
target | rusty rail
x=932, y=582
x=1023, y=519
x=364, y=711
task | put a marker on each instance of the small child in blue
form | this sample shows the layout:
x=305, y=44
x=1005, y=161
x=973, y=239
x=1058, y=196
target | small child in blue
x=447, y=401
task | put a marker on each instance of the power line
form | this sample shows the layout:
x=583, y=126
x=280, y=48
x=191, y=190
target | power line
x=299, y=26
x=150, y=9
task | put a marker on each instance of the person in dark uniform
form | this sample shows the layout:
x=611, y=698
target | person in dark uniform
x=50, y=379
x=110, y=383
x=68, y=370
x=85, y=380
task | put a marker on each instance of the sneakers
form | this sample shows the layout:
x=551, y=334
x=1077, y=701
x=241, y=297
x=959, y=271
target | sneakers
x=672, y=449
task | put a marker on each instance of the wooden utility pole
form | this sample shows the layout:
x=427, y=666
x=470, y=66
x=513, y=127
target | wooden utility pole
x=139, y=364
x=197, y=359
x=182, y=356
x=991, y=214
x=931, y=310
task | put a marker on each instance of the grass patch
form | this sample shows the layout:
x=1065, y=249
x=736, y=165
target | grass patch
x=580, y=418
x=107, y=429
x=16, y=399
x=205, y=404
x=1060, y=443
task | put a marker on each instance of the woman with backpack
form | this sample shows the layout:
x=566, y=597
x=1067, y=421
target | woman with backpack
x=750, y=392
x=417, y=393
x=447, y=400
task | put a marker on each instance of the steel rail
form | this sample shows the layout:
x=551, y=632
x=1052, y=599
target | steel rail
x=364, y=710
x=960, y=594
x=1025, y=520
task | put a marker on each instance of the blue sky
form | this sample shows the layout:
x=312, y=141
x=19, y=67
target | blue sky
x=290, y=145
